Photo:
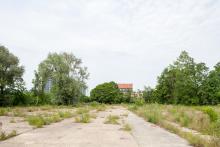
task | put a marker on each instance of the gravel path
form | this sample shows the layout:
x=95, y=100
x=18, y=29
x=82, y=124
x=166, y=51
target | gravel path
x=98, y=134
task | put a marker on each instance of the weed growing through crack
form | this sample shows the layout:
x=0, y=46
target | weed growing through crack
x=12, y=120
x=83, y=118
x=4, y=136
x=65, y=114
x=127, y=127
x=112, y=119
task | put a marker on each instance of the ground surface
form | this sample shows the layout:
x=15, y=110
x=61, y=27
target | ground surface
x=98, y=134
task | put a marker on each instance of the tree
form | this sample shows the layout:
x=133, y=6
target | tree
x=10, y=74
x=68, y=78
x=148, y=94
x=164, y=91
x=189, y=78
x=181, y=82
x=210, y=91
x=106, y=93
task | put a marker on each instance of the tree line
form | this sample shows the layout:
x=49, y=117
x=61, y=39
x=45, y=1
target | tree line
x=64, y=71
x=61, y=79
x=186, y=82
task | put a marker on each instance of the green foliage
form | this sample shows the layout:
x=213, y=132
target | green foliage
x=127, y=127
x=11, y=82
x=65, y=114
x=82, y=110
x=4, y=111
x=139, y=101
x=148, y=95
x=181, y=82
x=107, y=93
x=210, y=91
x=3, y=135
x=211, y=113
x=85, y=99
x=83, y=118
x=36, y=121
x=171, y=116
x=41, y=120
x=67, y=77
x=112, y=119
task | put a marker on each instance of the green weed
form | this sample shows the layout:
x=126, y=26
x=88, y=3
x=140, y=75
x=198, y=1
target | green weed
x=112, y=119
x=126, y=127
x=3, y=135
x=83, y=118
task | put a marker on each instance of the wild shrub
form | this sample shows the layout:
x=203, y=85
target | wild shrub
x=4, y=111
x=106, y=93
x=82, y=110
x=37, y=121
x=112, y=119
x=4, y=136
x=211, y=113
x=94, y=104
x=126, y=127
x=65, y=114
x=139, y=101
x=83, y=118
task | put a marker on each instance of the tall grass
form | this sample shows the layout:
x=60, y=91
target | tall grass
x=4, y=136
x=83, y=118
x=41, y=120
x=200, y=118
x=112, y=119
x=127, y=127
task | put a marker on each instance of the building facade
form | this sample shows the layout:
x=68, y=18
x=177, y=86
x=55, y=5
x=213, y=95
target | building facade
x=124, y=88
x=48, y=86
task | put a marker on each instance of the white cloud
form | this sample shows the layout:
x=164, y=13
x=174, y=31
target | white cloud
x=121, y=40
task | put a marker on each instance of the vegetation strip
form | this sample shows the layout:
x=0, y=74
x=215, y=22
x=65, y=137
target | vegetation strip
x=184, y=116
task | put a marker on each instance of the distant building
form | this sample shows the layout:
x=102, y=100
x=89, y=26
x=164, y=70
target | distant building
x=125, y=87
x=48, y=86
x=137, y=94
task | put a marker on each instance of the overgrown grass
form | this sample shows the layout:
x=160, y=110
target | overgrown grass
x=65, y=114
x=4, y=136
x=203, y=119
x=83, y=118
x=82, y=110
x=4, y=111
x=112, y=119
x=97, y=106
x=37, y=121
x=127, y=127
x=40, y=120
x=12, y=120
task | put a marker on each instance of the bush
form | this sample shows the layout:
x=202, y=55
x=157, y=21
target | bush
x=112, y=119
x=139, y=101
x=211, y=113
x=85, y=99
x=37, y=121
x=106, y=93
x=83, y=118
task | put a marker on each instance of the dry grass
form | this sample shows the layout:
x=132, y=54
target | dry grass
x=83, y=118
x=4, y=136
x=126, y=127
x=203, y=119
x=112, y=119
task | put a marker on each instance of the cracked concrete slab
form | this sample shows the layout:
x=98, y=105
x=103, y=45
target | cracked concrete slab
x=98, y=134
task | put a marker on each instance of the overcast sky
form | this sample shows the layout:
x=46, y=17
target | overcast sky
x=128, y=41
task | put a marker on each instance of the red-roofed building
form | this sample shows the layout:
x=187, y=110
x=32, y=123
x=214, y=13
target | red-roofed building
x=125, y=87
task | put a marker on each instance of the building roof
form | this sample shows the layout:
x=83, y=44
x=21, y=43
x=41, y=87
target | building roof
x=125, y=86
